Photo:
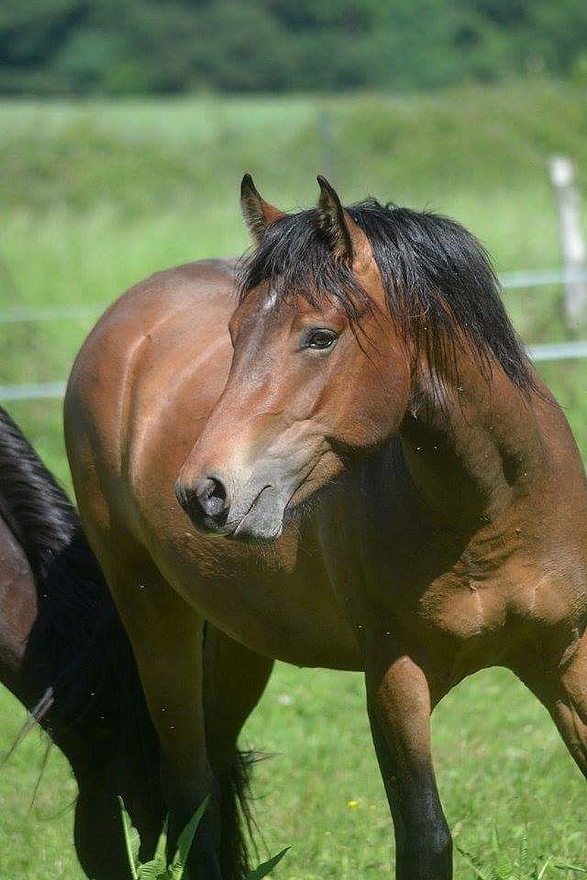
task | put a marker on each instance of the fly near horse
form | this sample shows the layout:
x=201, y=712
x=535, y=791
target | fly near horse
x=370, y=476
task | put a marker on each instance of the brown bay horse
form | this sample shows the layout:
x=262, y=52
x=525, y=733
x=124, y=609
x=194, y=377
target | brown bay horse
x=370, y=476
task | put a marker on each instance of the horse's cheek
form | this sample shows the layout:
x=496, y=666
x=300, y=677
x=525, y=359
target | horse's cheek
x=385, y=403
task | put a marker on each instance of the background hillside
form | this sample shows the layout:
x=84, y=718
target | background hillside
x=169, y=46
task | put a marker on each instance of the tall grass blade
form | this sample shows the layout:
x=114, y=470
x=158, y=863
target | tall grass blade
x=160, y=855
x=151, y=871
x=480, y=870
x=184, y=842
x=540, y=874
x=266, y=867
x=505, y=870
x=132, y=841
x=524, y=871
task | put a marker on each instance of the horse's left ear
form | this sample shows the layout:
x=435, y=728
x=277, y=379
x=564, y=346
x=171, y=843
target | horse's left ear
x=346, y=240
x=258, y=213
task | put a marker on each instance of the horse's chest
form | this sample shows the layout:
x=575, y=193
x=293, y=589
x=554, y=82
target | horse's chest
x=465, y=609
x=400, y=584
x=474, y=606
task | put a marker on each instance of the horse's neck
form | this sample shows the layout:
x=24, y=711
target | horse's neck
x=480, y=453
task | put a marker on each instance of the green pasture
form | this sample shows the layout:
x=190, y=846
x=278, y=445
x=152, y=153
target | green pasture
x=96, y=195
x=501, y=767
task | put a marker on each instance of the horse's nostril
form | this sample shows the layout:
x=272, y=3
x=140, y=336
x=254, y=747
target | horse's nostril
x=206, y=503
x=211, y=495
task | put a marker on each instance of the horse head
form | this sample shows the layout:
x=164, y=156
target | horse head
x=319, y=371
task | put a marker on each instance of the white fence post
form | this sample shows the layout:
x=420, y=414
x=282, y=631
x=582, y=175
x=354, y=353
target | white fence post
x=562, y=175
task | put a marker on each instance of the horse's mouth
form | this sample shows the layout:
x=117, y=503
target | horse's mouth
x=248, y=527
x=257, y=514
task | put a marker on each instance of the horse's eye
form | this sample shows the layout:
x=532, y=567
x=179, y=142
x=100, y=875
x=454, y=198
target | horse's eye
x=319, y=338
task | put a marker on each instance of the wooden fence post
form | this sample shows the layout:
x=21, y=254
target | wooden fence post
x=562, y=175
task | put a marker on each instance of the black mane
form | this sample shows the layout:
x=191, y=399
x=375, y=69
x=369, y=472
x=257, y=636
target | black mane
x=440, y=283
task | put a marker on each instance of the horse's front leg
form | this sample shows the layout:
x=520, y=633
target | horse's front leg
x=167, y=640
x=399, y=704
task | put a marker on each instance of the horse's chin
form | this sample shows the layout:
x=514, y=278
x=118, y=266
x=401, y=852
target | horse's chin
x=264, y=518
x=263, y=521
x=267, y=518
x=320, y=479
x=262, y=530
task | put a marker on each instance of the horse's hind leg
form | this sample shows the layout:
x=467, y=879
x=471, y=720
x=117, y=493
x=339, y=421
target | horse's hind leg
x=563, y=691
x=234, y=680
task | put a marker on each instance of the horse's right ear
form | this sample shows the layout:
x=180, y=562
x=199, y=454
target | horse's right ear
x=258, y=213
x=347, y=241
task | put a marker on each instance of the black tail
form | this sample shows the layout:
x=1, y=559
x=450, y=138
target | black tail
x=236, y=817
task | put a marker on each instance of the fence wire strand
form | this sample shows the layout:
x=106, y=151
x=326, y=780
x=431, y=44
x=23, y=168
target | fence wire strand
x=552, y=351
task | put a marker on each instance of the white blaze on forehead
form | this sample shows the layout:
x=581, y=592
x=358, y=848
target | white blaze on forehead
x=270, y=302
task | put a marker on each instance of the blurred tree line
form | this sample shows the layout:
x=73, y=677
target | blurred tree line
x=172, y=46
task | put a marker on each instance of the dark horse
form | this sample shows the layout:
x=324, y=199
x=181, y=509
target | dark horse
x=408, y=496
x=66, y=656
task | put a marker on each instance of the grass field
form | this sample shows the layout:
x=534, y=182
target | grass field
x=97, y=195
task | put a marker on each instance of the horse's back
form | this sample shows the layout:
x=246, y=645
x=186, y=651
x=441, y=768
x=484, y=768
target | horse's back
x=189, y=305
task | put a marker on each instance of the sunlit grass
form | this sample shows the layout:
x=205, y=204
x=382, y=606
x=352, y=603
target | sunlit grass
x=503, y=772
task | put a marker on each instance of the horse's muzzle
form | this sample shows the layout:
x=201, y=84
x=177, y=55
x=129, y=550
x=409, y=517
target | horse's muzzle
x=207, y=503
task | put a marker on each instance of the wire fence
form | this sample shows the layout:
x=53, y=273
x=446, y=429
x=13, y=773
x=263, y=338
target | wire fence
x=552, y=351
x=40, y=391
x=33, y=314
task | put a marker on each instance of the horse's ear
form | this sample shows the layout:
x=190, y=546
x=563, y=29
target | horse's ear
x=258, y=213
x=346, y=240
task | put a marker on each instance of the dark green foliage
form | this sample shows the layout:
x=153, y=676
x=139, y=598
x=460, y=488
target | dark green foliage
x=159, y=868
x=171, y=46
x=522, y=867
